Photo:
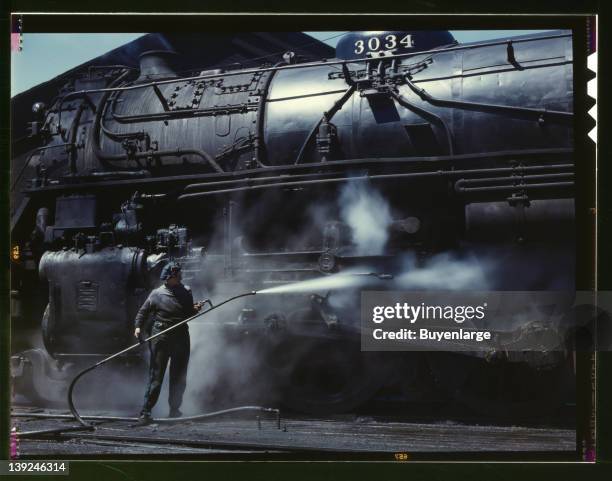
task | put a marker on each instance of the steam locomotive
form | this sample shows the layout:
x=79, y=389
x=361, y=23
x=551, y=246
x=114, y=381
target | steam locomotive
x=237, y=174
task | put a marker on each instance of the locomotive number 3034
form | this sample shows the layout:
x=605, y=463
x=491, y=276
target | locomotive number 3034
x=388, y=42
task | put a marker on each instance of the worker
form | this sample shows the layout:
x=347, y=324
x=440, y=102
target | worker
x=169, y=304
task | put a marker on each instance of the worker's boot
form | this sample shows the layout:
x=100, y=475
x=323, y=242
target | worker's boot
x=144, y=420
x=175, y=413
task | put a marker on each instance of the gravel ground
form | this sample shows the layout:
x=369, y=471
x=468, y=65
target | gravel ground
x=348, y=433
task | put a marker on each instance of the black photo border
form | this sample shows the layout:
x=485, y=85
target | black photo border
x=561, y=16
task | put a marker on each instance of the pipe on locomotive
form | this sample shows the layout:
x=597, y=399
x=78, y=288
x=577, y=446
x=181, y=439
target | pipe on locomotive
x=522, y=171
x=516, y=154
x=541, y=114
x=308, y=65
x=81, y=420
x=106, y=158
x=327, y=116
x=31, y=156
x=73, y=135
x=559, y=116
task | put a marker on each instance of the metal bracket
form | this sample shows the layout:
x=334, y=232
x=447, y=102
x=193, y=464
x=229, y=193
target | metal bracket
x=161, y=98
x=511, y=57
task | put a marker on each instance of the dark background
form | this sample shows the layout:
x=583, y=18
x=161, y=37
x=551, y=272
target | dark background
x=585, y=195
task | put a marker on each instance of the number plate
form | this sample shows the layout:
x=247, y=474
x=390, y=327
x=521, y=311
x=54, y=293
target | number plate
x=385, y=42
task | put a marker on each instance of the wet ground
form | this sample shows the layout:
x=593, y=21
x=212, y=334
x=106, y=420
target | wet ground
x=424, y=429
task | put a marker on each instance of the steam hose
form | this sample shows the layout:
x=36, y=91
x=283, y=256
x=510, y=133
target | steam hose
x=81, y=420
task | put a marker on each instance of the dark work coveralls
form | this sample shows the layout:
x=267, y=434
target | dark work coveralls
x=167, y=306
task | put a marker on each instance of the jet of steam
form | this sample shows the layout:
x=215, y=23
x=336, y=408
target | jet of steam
x=327, y=283
x=368, y=215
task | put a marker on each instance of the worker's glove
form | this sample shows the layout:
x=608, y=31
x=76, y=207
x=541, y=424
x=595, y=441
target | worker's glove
x=137, y=333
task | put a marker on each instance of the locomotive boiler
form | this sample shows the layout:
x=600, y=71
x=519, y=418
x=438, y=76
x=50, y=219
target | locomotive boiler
x=242, y=176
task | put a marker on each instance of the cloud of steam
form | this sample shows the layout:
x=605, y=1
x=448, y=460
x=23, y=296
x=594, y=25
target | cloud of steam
x=223, y=370
x=445, y=272
x=368, y=215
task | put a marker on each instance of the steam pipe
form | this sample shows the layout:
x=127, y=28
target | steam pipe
x=516, y=178
x=497, y=188
x=556, y=115
x=361, y=178
x=121, y=174
x=140, y=155
x=72, y=138
x=528, y=154
x=192, y=187
x=327, y=117
x=73, y=409
x=182, y=113
x=97, y=126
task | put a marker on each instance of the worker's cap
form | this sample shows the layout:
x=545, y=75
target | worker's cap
x=170, y=270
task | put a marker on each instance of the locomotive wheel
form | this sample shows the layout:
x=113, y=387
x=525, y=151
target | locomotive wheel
x=500, y=389
x=326, y=377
